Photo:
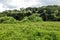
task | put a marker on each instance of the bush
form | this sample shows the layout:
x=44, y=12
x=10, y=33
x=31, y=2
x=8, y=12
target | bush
x=33, y=18
x=7, y=20
x=25, y=19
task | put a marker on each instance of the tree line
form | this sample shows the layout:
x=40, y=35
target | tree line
x=47, y=13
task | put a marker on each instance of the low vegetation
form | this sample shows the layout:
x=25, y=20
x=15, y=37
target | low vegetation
x=30, y=31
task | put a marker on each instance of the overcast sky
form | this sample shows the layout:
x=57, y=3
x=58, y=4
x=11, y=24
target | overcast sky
x=16, y=4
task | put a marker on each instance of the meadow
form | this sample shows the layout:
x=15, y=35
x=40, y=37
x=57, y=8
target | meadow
x=30, y=31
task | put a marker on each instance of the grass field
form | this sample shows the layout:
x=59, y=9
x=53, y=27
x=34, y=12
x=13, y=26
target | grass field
x=30, y=31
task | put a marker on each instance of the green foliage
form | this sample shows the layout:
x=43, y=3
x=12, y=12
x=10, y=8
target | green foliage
x=26, y=24
x=47, y=13
x=32, y=18
x=25, y=19
x=30, y=31
x=35, y=18
x=7, y=20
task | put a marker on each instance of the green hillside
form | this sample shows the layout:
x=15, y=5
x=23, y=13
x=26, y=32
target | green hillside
x=30, y=31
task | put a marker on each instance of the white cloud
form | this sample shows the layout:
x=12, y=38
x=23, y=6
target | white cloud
x=50, y=2
x=24, y=3
x=1, y=8
x=16, y=4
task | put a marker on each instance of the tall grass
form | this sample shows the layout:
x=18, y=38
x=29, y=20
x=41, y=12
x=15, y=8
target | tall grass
x=30, y=31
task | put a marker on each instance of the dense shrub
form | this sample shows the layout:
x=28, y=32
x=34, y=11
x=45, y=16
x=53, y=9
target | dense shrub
x=25, y=19
x=7, y=20
x=33, y=18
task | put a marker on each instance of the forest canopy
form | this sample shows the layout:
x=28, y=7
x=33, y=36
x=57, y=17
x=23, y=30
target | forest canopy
x=45, y=13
